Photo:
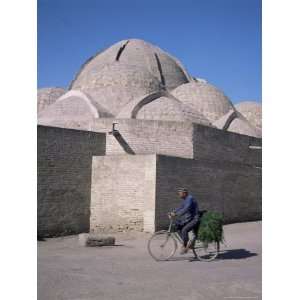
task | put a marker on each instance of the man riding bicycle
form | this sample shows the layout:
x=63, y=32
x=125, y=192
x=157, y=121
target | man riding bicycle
x=188, y=214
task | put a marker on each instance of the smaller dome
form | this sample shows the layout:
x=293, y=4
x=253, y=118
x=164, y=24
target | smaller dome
x=168, y=109
x=224, y=122
x=251, y=111
x=242, y=126
x=47, y=96
x=235, y=122
x=204, y=98
x=74, y=105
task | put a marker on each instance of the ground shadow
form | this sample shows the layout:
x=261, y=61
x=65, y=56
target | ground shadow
x=236, y=254
x=181, y=258
x=226, y=254
x=110, y=246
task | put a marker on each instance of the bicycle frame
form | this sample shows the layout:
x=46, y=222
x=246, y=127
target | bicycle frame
x=174, y=233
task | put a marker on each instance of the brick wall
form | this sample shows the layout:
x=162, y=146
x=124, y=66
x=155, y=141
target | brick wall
x=123, y=193
x=136, y=191
x=148, y=137
x=223, y=174
x=178, y=139
x=64, y=178
x=214, y=144
x=230, y=188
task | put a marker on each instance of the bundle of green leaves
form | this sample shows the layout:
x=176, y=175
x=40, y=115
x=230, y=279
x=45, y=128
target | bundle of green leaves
x=211, y=228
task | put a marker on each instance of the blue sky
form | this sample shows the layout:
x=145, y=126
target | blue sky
x=219, y=40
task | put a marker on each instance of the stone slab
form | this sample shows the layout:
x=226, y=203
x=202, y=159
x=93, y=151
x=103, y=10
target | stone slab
x=95, y=240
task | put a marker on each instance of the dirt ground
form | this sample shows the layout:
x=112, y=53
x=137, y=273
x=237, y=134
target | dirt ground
x=67, y=271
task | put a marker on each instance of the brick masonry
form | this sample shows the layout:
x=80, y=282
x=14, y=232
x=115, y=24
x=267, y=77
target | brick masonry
x=232, y=189
x=64, y=166
x=218, y=145
x=123, y=193
x=135, y=192
x=219, y=167
x=148, y=137
x=180, y=139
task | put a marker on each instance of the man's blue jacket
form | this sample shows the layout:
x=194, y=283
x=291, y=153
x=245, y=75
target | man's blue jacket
x=188, y=210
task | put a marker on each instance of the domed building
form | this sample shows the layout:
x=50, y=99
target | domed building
x=132, y=127
x=133, y=73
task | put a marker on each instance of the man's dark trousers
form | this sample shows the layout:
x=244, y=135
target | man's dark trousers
x=186, y=227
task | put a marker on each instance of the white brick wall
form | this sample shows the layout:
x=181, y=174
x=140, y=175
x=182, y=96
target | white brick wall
x=123, y=193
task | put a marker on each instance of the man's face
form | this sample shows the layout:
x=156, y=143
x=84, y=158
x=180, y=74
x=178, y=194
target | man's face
x=182, y=195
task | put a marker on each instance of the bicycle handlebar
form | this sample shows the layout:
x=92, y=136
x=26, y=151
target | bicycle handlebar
x=170, y=216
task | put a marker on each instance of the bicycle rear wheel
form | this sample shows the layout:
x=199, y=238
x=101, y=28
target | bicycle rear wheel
x=206, y=252
x=162, y=245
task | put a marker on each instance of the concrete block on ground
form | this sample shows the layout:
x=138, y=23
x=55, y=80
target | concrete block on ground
x=95, y=240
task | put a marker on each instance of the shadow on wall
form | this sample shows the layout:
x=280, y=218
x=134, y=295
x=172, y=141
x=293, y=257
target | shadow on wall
x=122, y=142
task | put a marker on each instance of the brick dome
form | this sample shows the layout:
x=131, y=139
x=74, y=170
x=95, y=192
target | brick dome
x=251, y=111
x=47, y=96
x=235, y=122
x=169, y=109
x=74, y=105
x=204, y=98
x=134, y=52
x=116, y=84
x=242, y=126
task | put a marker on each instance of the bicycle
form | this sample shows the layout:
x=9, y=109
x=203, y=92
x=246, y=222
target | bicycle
x=163, y=244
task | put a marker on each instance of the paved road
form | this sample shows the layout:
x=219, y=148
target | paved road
x=67, y=271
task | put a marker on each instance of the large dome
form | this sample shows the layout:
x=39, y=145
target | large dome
x=47, y=96
x=204, y=98
x=251, y=111
x=117, y=84
x=133, y=52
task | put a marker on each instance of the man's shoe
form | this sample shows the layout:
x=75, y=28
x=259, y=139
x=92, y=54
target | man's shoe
x=184, y=250
x=189, y=244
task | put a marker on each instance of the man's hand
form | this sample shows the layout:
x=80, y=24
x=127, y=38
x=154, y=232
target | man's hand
x=172, y=214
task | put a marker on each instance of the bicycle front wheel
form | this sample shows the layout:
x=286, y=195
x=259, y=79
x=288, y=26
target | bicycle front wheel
x=162, y=245
x=206, y=252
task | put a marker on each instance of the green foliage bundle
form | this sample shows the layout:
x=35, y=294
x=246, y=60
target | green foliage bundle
x=211, y=228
